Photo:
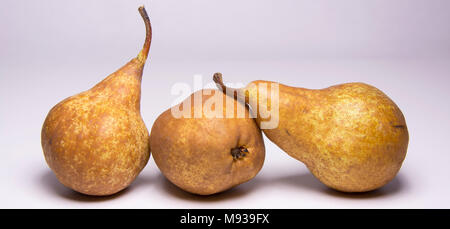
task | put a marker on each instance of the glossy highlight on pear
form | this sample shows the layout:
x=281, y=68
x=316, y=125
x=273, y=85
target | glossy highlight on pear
x=96, y=142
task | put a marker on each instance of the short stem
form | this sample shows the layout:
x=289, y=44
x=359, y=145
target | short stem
x=232, y=92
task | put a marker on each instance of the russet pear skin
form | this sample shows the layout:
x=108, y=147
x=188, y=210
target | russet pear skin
x=352, y=136
x=96, y=142
x=207, y=155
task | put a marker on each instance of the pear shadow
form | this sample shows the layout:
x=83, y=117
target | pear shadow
x=309, y=182
x=141, y=180
x=302, y=181
x=233, y=193
x=394, y=186
x=51, y=183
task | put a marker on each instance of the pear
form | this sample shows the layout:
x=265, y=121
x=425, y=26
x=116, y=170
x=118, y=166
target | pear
x=207, y=151
x=96, y=142
x=351, y=136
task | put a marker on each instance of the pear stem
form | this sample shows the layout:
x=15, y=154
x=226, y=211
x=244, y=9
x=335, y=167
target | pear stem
x=148, y=35
x=232, y=92
x=217, y=77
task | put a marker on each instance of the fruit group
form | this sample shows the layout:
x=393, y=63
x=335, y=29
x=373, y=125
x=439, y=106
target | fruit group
x=96, y=142
x=352, y=136
x=206, y=155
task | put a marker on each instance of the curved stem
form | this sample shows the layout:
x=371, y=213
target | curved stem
x=148, y=35
x=237, y=93
x=217, y=77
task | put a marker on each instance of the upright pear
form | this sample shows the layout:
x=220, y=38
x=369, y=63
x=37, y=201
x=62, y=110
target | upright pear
x=352, y=136
x=96, y=142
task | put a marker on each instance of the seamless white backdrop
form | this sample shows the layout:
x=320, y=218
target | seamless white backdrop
x=50, y=50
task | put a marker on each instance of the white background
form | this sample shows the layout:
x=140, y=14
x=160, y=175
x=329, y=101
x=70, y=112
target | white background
x=50, y=50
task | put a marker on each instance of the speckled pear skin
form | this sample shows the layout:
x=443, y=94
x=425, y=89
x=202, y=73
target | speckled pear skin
x=352, y=136
x=195, y=154
x=96, y=142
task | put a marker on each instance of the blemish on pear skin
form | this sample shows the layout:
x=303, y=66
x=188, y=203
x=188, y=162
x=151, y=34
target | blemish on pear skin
x=399, y=126
x=287, y=132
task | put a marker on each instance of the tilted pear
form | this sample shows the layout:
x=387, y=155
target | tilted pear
x=206, y=152
x=96, y=142
x=352, y=136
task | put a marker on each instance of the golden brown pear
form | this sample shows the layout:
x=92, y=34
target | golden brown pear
x=352, y=137
x=204, y=153
x=96, y=142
